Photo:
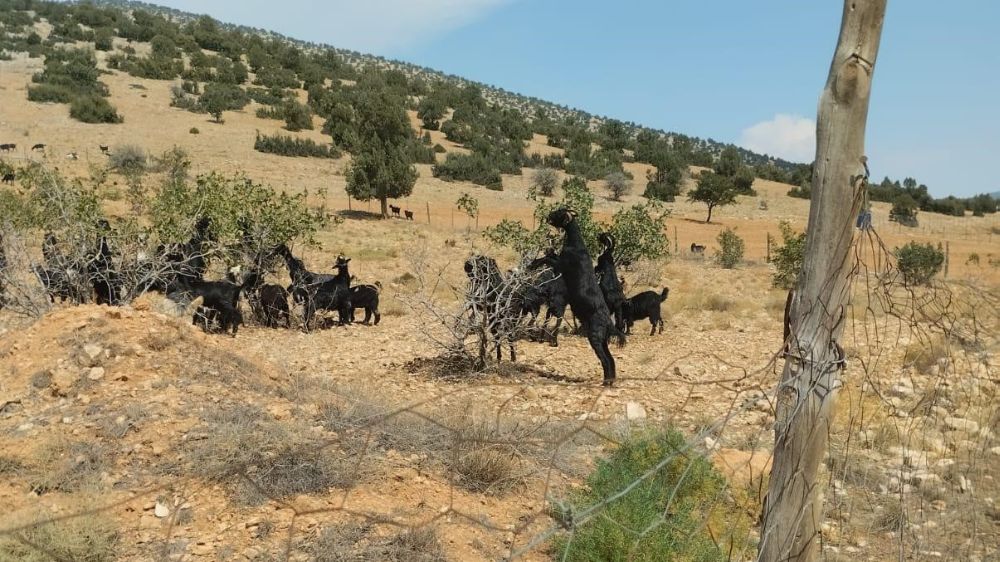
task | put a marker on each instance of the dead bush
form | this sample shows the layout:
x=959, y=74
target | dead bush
x=257, y=458
x=88, y=538
x=361, y=543
x=486, y=459
x=68, y=466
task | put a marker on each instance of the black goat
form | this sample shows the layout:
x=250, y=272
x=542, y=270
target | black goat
x=39, y=146
x=395, y=210
x=366, y=297
x=546, y=288
x=584, y=293
x=101, y=271
x=220, y=301
x=9, y=177
x=607, y=278
x=409, y=214
x=7, y=147
x=188, y=262
x=645, y=305
x=269, y=302
x=697, y=248
x=318, y=291
x=490, y=304
x=104, y=148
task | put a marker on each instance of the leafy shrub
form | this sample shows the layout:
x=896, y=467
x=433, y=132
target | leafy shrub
x=104, y=40
x=544, y=181
x=421, y=153
x=181, y=99
x=222, y=97
x=661, y=516
x=469, y=167
x=439, y=149
x=468, y=205
x=803, y=191
x=618, y=184
x=270, y=113
x=788, y=257
x=904, y=211
x=919, y=263
x=640, y=232
x=731, y=248
x=128, y=158
x=285, y=145
x=234, y=204
x=267, y=96
x=94, y=109
x=297, y=116
x=194, y=131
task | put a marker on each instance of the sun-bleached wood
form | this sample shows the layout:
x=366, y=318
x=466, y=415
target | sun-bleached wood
x=793, y=508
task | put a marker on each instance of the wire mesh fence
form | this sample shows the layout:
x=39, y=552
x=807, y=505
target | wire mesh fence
x=176, y=446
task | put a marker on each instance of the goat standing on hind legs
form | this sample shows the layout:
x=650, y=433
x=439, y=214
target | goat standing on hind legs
x=584, y=293
x=607, y=278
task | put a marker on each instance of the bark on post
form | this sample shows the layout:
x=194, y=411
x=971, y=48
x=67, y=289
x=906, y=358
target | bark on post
x=793, y=509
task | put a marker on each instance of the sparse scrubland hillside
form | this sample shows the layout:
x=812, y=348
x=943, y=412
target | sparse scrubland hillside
x=129, y=433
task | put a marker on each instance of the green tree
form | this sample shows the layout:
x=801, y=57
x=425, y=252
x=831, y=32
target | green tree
x=904, y=210
x=382, y=166
x=713, y=190
x=743, y=180
x=614, y=135
x=729, y=163
x=297, y=116
x=222, y=97
x=431, y=110
x=664, y=183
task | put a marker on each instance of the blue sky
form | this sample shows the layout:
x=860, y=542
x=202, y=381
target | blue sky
x=736, y=71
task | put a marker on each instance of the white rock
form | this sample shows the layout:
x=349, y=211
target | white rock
x=961, y=424
x=93, y=351
x=995, y=451
x=634, y=411
x=96, y=373
x=964, y=484
x=711, y=443
x=161, y=510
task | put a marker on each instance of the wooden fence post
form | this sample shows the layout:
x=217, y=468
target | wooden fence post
x=428, y=212
x=793, y=509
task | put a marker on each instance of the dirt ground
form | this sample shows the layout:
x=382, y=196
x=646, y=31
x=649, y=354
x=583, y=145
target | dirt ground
x=140, y=388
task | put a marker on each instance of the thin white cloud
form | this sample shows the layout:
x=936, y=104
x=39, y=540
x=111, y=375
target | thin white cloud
x=369, y=26
x=791, y=137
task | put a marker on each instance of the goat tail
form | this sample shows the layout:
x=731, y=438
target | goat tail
x=664, y=294
x=378, y=286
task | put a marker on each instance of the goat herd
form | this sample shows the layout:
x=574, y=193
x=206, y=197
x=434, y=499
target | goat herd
x=558, y=278
x=566, y=277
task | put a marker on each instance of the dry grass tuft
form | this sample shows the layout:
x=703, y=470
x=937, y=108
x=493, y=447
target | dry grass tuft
x=361, y=543
x=257, y=458
x=486, y=459
x=892, y=519
x=89, y=538
x=68, y=466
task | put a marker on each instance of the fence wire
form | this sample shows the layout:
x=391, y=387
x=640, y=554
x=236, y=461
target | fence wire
x=286, y=465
